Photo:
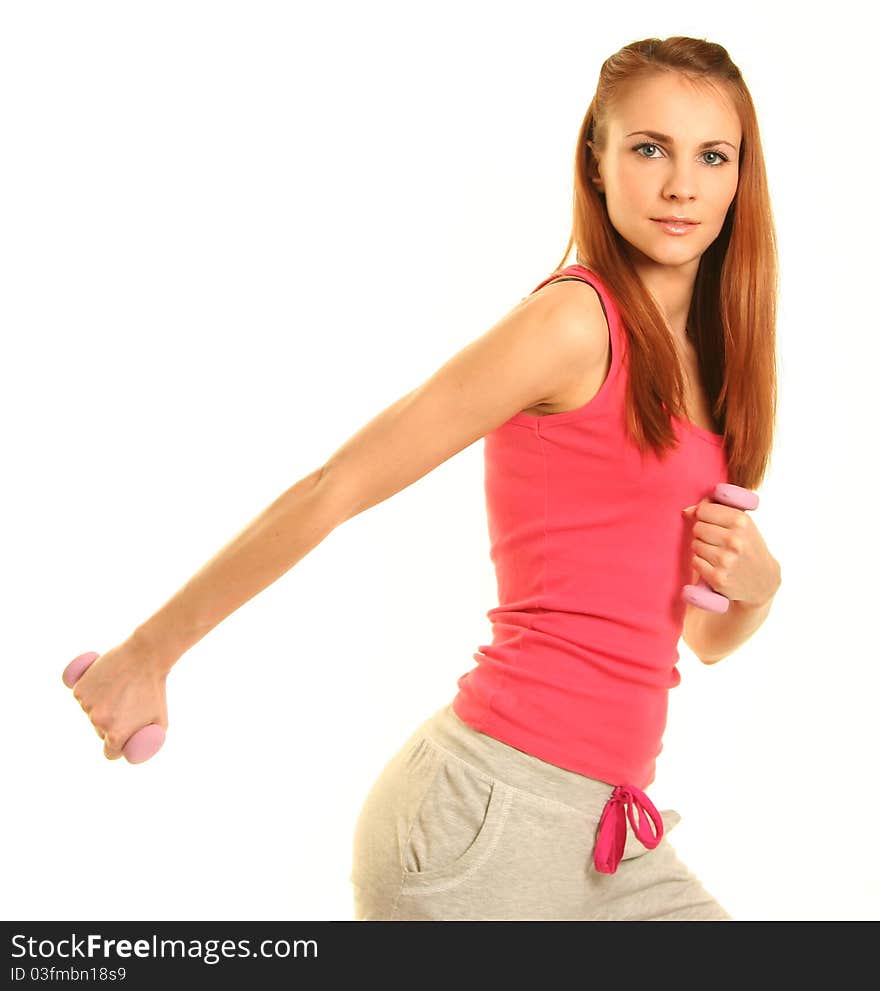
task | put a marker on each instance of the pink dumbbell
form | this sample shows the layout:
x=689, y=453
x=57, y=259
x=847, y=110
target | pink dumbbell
x=141, y=745
x=702, y=594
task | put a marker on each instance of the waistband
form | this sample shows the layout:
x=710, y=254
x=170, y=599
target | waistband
x=611, y=804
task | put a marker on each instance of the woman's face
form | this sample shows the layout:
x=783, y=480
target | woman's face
x=671, y=176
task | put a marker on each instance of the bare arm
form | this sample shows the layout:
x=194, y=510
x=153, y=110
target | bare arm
x=269, y=546
x=540, y=348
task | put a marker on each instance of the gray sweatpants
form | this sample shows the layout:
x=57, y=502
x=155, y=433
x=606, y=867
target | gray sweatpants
x=460, y=826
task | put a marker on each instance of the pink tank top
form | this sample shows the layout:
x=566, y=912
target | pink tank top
x=591, y=553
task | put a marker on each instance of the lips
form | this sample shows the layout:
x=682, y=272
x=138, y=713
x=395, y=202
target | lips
x=674, y=220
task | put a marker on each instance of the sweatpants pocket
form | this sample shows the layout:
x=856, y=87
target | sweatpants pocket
x=456, y=824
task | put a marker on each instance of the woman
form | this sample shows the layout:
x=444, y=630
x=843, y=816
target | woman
x=612, y=400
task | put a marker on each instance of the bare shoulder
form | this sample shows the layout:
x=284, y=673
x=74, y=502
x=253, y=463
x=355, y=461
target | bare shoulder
x=580, y=327
x=574, y=315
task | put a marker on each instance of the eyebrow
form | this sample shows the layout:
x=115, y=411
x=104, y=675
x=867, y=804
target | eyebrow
x=669, y=140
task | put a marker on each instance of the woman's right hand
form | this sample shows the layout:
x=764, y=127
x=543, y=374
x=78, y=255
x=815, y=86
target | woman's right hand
x=122, y=691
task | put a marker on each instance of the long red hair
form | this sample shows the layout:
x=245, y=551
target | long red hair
x=732, y=317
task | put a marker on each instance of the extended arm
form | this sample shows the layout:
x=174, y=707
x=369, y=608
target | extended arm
x=269, y=546
x=533, y=353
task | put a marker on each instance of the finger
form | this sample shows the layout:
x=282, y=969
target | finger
x=717, y=513
x=112, y=750
x=708, y=554
x=710, y=533
x=705, y=571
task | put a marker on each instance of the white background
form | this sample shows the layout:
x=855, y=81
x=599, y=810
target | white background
x=234, y=232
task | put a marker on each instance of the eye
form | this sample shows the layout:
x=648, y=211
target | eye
x=719, y=154
x=650, y=144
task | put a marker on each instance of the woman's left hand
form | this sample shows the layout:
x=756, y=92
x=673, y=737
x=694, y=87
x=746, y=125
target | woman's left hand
x=730, y=554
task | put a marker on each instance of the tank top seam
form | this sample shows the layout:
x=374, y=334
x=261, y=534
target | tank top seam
x=542, y=602
x=531, y=621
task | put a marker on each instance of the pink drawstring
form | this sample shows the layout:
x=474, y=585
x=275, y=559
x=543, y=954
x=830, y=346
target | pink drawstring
x=612, y=826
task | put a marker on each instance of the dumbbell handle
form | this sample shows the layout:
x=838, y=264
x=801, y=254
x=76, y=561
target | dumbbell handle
x=142, y=744
x=702, y=594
